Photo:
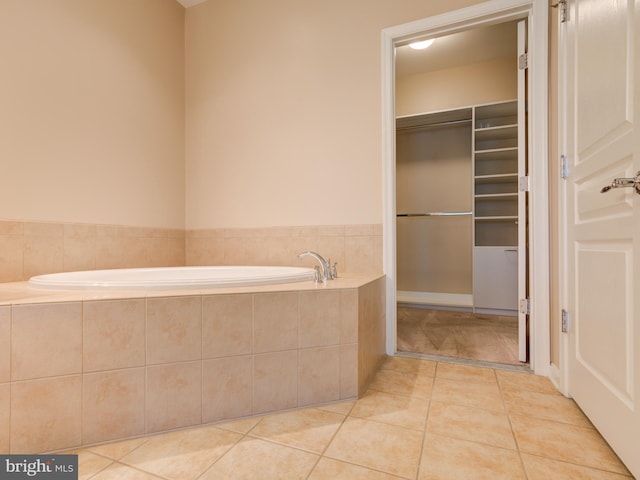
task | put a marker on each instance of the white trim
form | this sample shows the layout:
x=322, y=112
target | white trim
x=435, y=298
x=563, y=343
x=540, y=255
x=555, y=377
x=489, y=12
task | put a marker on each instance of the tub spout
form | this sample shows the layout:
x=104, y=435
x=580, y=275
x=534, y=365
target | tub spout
x=327, y=270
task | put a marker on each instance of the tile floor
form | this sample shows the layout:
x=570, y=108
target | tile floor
x=473, y=336
x=419, y=420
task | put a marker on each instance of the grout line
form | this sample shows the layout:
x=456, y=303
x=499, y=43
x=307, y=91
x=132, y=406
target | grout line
x=326, y=447
x=426, y=423
x=513, y=433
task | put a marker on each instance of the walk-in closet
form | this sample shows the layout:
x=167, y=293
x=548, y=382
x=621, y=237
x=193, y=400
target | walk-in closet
x=461, y=197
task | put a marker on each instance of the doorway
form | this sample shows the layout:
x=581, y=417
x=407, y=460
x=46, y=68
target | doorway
x=484, y=14
x=458, y=163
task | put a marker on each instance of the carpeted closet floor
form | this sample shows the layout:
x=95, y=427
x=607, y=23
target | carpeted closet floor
x=464, y=335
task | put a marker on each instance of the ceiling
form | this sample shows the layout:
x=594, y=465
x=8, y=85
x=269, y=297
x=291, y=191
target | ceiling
x=470, y=46
x=190, y=3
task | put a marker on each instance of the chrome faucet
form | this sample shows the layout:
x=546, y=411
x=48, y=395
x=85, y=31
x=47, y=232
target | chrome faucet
x=327, y=271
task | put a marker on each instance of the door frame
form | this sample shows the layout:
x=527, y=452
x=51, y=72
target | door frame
x=486, y=13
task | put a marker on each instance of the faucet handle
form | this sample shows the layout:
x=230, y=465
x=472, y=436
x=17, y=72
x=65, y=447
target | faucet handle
x=317, y=277
x=333, y=270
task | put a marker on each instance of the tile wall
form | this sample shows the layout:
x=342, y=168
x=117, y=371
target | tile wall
x=34, y=248
x=356, y=248
x=82, y=372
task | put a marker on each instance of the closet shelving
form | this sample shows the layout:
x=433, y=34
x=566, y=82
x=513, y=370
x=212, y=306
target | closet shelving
x=496, y=174
x=495, y=180
x=493, y=191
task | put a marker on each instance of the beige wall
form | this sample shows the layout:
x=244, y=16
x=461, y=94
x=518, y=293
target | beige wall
x=283, y=117
x=283, y=101
x=474, y=84
x=434, y=254
x=92, y=117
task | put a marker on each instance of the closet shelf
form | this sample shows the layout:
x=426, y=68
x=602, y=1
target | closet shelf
x=497, y=196
x=496, y=151
x=501, y=132
x=497, y=178
x=506, y=218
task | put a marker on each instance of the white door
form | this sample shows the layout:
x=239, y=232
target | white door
x=602, y=271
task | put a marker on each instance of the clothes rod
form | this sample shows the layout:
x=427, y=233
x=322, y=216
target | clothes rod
x=434, y=214
x=438, y=124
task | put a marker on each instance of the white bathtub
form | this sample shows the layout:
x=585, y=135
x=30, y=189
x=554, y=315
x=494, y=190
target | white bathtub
x=172, y=277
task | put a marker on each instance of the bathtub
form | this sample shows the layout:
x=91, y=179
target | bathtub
x=172, y=277
x=150, y=361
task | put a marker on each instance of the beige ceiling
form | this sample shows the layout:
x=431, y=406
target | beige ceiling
x=470, y=46
x=190, y=3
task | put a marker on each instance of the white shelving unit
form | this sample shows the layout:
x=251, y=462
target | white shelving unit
x=495, y=167
x=494, y=182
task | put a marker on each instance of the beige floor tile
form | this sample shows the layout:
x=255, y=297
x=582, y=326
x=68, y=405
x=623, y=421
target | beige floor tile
x=253, y=458
x=473, y=394
x=410, y=365
x=544, y=405
x=118, y=471
x=310, y=429
x=329, y=469
x=539, y=468
x=568, y=443
x=387, y=448
x=402, y=383
x=342, y=408
x=465, y=373
x=473, y=336
x=117, y=450
x=184, y=454
x=240, y=426
x=521, y=381
x=446, y=458
x=480, y=424
x=470, y=423
x=401, y=410
x=89, y=464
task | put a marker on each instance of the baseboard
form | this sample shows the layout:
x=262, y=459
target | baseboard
x=554, y=376
x=497, y=311
x=435, y=299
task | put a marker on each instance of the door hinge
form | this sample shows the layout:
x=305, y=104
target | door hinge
x=562, y=8
x=523, y=61
x=564, y=165
x=525, y=306
x=565, y=321
x=523, y=183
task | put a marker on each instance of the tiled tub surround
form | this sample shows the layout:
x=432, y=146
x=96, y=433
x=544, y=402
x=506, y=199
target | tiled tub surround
x=356, y=248
x=34, y=248
x=79, y=368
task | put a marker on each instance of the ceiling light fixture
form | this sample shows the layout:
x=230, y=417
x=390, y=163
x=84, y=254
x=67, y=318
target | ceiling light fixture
x=422, y=44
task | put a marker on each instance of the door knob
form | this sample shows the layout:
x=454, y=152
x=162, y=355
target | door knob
x=624, y=182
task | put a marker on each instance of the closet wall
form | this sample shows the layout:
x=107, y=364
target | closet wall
x=434, y=174
x=453, y=88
